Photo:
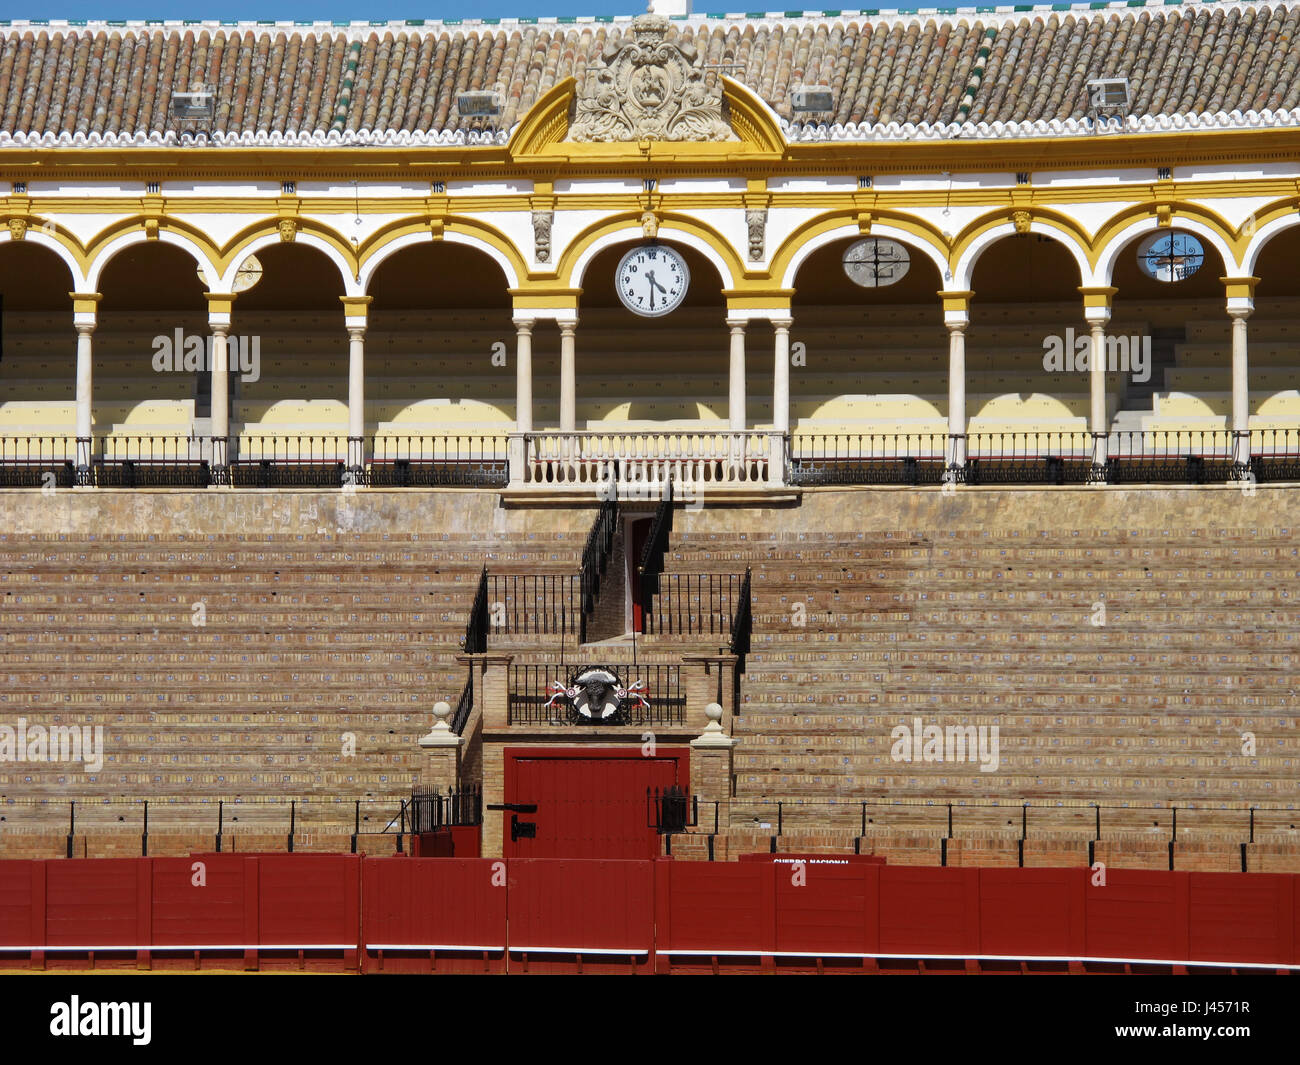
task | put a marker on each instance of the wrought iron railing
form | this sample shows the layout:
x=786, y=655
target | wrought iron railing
x=1191, y=456
x=256, y=461
x=651, y=563
x=534, y=604
x=650, y=462
x=595, y=558
x=865, y=458
x=464, y=706
x=742, y=626
x=532, y=688
x=670, y=809
x=429, y=810
x=476, y=629
x=694, y=604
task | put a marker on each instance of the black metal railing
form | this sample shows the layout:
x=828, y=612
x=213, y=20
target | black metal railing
x=535, y=604
x=865, y=458
x=1155, y=456
x=670, y=809
x=694, y=604
x=476, y=629
x=257, y=461
x=429, y=810
x=742, y=625
x=464, y=705
x=532, y=688
x=1191, y=456
x=651, y=563
x=595, y=559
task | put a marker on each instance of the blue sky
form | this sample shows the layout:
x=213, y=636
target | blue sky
x=326, y=10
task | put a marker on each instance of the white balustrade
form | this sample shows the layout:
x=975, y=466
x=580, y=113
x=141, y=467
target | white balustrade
x=648, y=461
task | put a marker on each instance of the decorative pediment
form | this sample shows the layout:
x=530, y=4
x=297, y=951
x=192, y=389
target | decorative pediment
x=649, y=88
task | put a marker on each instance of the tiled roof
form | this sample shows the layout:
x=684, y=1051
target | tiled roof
x=999, y=72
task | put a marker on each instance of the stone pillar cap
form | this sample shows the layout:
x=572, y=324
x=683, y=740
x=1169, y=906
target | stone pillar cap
x=441, y=735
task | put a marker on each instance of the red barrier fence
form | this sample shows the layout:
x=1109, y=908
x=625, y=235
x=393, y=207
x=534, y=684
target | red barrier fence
x=343, y=912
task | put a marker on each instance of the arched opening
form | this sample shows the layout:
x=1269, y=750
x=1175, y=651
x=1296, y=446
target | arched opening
x=37, y=362
x=151, y=384
x=440, y=345
x=1021, y=400
x=1179, y=318
x=1274, y=353
x=868, y=359
x=635, y=372
x=289, y=364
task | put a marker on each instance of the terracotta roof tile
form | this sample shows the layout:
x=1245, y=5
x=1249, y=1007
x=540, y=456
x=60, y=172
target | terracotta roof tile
x=990, y=68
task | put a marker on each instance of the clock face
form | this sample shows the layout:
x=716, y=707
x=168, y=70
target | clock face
x=1170, y=256
x=652, y=280
x=875, y=262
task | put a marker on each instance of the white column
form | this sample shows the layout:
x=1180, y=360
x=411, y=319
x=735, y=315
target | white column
x=781, y=375
x=1240, y=381
x=85, y=370
x=84, y=319
x=956, y=323
x=355, y=310
x=736, y=393
x=356, y=398
x=524, y=375
x=568, y=378
x=1098, y=422
x=219, y=326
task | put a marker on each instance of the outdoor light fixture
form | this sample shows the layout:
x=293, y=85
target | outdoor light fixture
x=478, y=103
x=199, y=106
x=1108, y=97
x=811, y=98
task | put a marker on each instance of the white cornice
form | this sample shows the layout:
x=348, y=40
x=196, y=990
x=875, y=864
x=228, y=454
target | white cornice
x=799, y=133
x=390, y=138
x=1069, y=127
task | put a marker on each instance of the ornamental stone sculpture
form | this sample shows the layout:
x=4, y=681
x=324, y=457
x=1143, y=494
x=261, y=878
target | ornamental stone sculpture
x=649, y=89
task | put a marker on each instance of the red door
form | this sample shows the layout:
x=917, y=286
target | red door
x=590, y=804
x=638, y=534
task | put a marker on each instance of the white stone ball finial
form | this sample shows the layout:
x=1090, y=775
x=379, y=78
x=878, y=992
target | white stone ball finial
x=714, y=713
x=441, y=735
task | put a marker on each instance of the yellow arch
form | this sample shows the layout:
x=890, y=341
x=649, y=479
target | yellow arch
x=1049, y=217
x=233, y=248
x=923, y=231
x=137, y=223
x=463, y=224
x=53, y=231
x=629, y=222
x=1236, y=239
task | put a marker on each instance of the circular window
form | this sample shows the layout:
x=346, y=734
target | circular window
x=875, y=262
x=1170, y=256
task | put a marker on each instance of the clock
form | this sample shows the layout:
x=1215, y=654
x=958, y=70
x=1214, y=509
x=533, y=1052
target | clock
x=875, y=262
x=1170, y=256
x=652, y=280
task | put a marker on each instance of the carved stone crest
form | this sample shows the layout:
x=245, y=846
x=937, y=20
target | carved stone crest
x=756, y=220
x=542, y=235
x=649, y=89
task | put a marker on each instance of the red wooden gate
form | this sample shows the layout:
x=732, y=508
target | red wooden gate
x=591, y=803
